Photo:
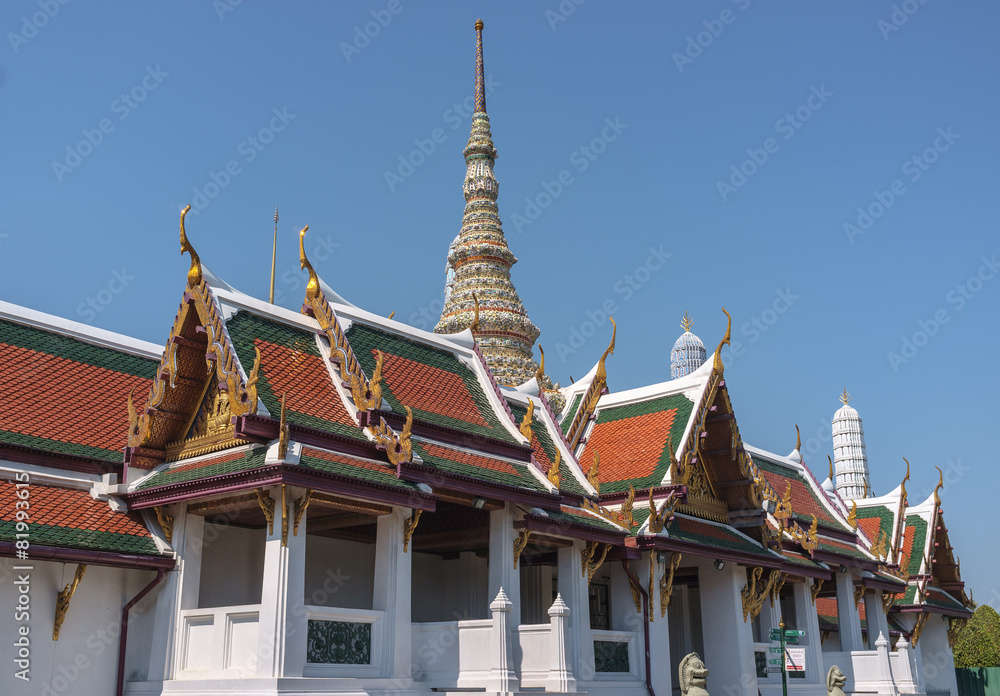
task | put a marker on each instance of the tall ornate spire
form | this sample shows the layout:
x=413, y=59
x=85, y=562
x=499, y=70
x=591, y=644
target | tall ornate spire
x=481, y=260
x=849, y=456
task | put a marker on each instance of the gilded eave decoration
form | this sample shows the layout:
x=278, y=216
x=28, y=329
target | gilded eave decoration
x=63, y=600
x=592, y=557
x=187, y=399
x=667, y=582
x=807, y=539
x=754, y=592
x=366, y=394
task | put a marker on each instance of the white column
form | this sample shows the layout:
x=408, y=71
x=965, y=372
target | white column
x=503, y=679
x=178, y=591
x=501, y=571
x=392, y=593
x=283, y=627
x=936, y=659
x=728, y=639
x=875, y=616
x=561, y=677
x=574, y=590
x=659, y=630
x=849, y=623
x=809, y=620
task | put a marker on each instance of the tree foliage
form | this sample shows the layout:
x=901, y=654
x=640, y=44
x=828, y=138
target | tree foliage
x=978, y=644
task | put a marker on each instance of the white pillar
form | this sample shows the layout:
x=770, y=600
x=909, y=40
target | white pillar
x=875, y=616
x=502, y=574
x=561, y=677
x=503, y=679
x=849, y=623
x=659, y=629
x=809, y=620
x=573, y=588
x=728, y=639
x=283, y=627
x=178, y=591
x=886, y=685
x=392, y=593
x=905, y=671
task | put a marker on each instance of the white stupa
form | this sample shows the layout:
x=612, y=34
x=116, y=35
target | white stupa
x=849, y=458
x=688, y=353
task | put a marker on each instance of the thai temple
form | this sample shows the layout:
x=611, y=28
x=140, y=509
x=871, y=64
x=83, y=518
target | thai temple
x=329, y=501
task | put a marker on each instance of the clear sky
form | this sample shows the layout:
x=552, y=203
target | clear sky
x=654, y=158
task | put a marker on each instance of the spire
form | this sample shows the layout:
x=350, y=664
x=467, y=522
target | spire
x=481, y=260
x=688, y=353
x=849, y=456
x=480, y=80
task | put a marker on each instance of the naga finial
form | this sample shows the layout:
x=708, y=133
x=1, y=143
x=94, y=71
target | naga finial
x=845, y=397
x=525, y=426
x=282, y=431
x=312, y=288
x=938, y=487
x=717, y=363
x=540, y=372
x=593, y=476
x=687, y=322
x=602, y=372
x=194, y=274
x=905, y=479
x=830, y=459
x=798, y=440
x=475, y=319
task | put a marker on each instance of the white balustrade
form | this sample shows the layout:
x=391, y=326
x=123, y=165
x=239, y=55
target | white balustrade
x=219, y=643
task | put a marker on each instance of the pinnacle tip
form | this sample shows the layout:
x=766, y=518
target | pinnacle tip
x=479, y=25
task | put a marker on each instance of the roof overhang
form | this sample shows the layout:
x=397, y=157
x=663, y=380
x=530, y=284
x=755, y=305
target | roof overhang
x=279, y=474
x=102, y=558
x=570, y=530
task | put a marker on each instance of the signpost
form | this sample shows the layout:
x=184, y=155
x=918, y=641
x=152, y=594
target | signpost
x=792, y=659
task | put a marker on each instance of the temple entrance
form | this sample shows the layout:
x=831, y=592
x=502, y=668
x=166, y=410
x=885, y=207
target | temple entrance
x=684, y=615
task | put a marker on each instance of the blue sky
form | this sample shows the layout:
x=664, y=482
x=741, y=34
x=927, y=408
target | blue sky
x=654, y=158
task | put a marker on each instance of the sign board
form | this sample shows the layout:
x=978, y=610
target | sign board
x=795, y=659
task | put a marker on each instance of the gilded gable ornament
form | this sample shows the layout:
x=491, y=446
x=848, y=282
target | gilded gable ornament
x=525, y=426
x=593, y=476
x=553, y=475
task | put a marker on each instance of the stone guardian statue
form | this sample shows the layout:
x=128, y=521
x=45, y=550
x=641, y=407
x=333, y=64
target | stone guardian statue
x=693, y=676
x=835, y=681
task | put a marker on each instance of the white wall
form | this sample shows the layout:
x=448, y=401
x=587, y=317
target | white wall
x=232, y=566
x=339, y=573
x=85, y=658
x=428, y=588
x=938, y=668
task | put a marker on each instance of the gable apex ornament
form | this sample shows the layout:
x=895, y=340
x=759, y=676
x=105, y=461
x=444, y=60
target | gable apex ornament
x=717, y=360
x=195, y=274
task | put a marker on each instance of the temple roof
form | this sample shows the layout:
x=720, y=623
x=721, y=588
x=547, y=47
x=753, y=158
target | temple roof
x=64, y=385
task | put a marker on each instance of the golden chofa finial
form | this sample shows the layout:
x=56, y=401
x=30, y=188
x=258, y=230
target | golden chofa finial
x=938, y=487
x=479, y=25
x=602, y=371
x=830, y=459
x=312, y=288
x=905, y=479
x=475, y=319
x=540, y=372
x=687, y=322
x=194, y=274
x=798, y=439
x=717, y=364
x=845, y=397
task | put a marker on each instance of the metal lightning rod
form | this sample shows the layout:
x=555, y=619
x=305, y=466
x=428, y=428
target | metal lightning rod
x=274, y=254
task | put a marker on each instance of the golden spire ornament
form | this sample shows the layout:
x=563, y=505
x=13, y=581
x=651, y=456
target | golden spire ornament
x=687, y=322
x=274, y=254
x=845, y=398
